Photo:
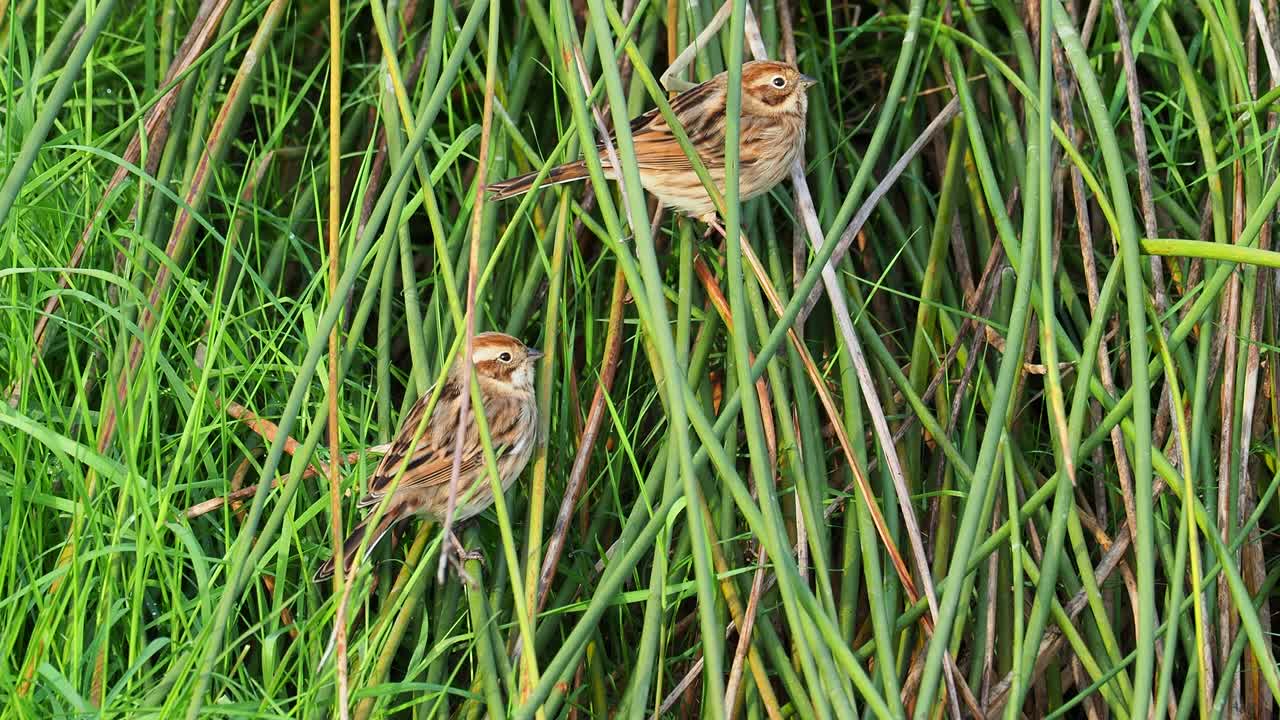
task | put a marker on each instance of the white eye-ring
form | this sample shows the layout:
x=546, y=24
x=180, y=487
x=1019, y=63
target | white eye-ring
x=505, y=357
x=779, y=81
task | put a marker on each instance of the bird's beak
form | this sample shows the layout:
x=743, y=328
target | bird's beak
x=806, y=81
x=533, y=353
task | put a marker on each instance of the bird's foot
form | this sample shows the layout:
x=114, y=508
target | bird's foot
x=714, y=226
x=462, y=553
x=456, y=554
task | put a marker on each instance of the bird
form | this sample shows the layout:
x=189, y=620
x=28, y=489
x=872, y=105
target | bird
x=504, y=367
x=774, y=105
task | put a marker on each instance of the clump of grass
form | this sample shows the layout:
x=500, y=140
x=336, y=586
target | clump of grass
x=1015, y=453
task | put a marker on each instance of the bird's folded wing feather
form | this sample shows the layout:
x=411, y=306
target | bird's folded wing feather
x=427, y=468
x=425, y=471
x=434, y=446
x=701, y=114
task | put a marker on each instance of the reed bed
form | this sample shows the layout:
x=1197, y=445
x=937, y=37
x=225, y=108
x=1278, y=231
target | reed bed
x=979, y=416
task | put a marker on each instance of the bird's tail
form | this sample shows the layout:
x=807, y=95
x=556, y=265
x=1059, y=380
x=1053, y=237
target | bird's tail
x=523, y=183
x=352, y=544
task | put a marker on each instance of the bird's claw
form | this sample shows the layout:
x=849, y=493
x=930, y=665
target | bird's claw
x=458, y=554
x=463, y=575
x=462, y=553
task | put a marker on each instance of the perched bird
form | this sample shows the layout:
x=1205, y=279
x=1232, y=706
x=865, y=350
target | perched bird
x=772, y=136
x=505, y=368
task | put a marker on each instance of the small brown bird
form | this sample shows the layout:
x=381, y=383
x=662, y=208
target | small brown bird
x=772, y=136
x=505, y=368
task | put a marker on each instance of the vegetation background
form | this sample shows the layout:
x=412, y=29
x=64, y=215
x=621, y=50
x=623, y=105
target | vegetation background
x=1020, y=458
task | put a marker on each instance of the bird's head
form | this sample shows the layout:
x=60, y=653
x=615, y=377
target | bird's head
x=503, y=362
x=774, y=88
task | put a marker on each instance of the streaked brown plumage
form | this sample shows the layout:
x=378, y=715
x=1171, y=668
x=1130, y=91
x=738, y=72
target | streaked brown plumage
x=504, y=367
x=772, y=136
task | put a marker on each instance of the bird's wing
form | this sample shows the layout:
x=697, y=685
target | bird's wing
x=425, y=469
x=430, y=461
x=431, y=442
x=428, y=468
x=700, y=111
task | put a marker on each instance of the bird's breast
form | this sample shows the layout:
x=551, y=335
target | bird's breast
x=768, y=147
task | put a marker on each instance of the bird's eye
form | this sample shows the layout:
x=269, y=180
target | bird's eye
x=779, y=82
x=505, y=357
